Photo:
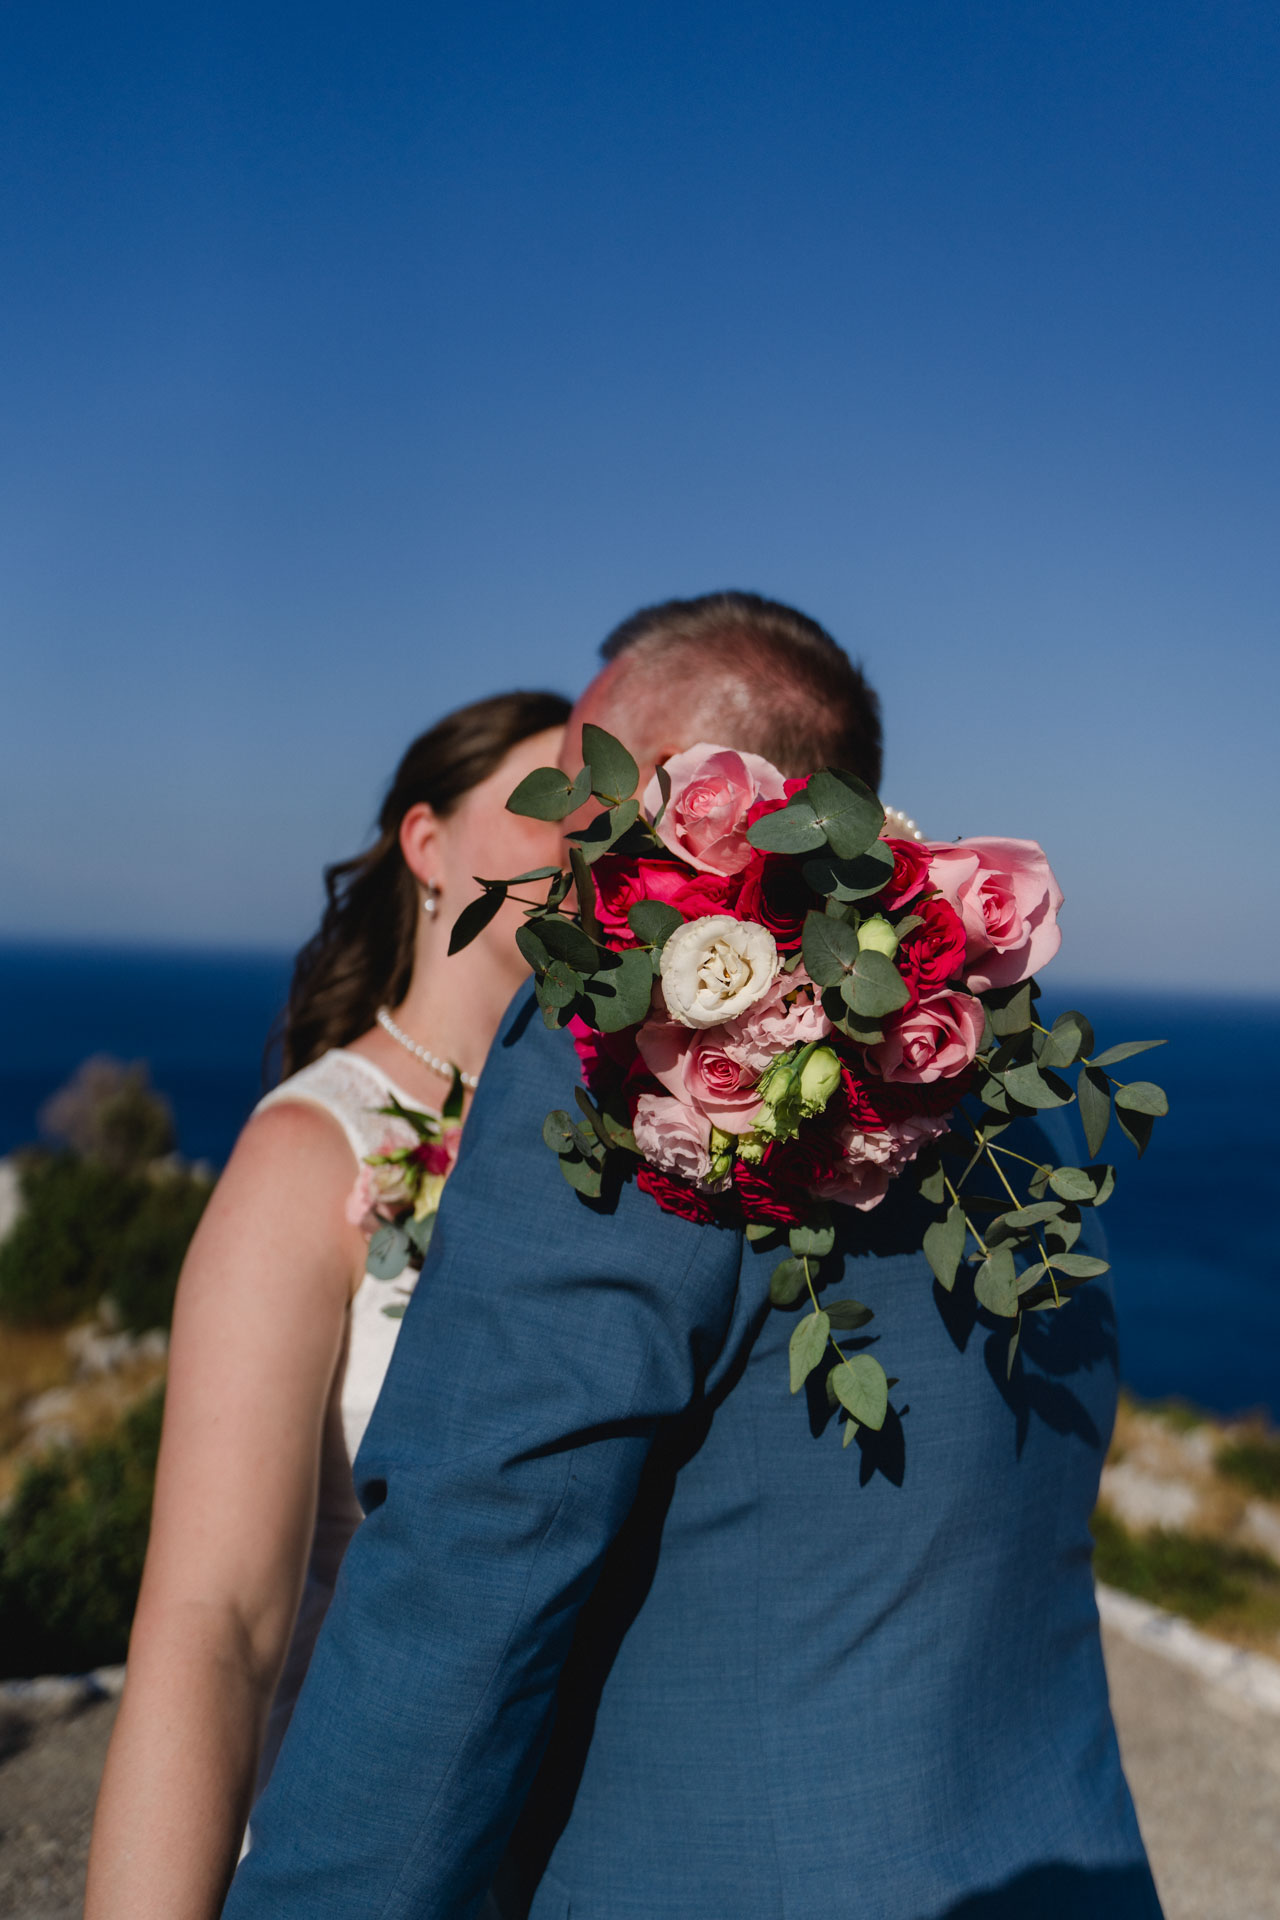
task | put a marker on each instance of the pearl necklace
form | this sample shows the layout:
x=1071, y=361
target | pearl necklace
x=445, y=1068
x=900, y=825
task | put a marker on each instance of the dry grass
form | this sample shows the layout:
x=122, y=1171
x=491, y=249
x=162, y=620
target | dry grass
x=34, y=1361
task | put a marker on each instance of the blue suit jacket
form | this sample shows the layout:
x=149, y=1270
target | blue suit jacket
x=626, y=1613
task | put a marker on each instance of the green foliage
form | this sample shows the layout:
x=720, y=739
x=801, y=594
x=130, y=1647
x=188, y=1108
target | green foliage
x=86, y=1231
x=1255, y=1464
x=72, y=1542
x=108, y=1112
x=1198, y=1578
x=152, y=1249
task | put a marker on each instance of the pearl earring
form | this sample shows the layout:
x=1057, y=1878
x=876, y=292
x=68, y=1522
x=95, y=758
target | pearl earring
x=430, y=903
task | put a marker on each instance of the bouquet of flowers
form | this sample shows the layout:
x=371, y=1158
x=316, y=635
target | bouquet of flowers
x=779, y=1008
x=398, y=1188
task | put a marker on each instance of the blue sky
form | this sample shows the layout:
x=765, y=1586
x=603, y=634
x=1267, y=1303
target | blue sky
x=357, y=361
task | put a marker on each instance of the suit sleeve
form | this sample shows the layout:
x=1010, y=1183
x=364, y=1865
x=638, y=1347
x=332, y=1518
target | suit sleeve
x=545, y=1345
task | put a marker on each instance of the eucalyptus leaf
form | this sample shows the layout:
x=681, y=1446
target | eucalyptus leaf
x=815, y=1237
x=1093, y=1091
x=944, y=1246
x=594, y=1119
x=613, y=771
x=654, y=922
x=1114, y=1055
x=849, y=814
x=565, y=941
x=549, y=794
x=1137, y=1126
x=530, y=944
x=874, y=987
x=1070, y=1037
x=558, y=1130
x=396, y=1310
x=860, y=1386
x=807, y=1346
x=792, y=829
x=1073, y=1183
x=1033, y=1087
x=583, y=1176
x=930, y=1180
x=420, y=1232
x=846, y=1316
x=620, y=993
x=830, y=948
x=1080, y=1266
x=1009, y=1009
x=586, y=889
x=559, y=985
x=475, y=917
x=1038, y=1182
x=1012, y=1353
x=605, y=830
x=388, y=1253
x=1142, y=1096
x=1036, y=1215
x=855, y=879
x=996, y=1283
x=761, y=1230
x=788, y=1283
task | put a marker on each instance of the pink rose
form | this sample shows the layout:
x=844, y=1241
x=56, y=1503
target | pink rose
x=713, y=790
x=934, y=1040
x=381, y=1191
x=1005, y=893
x=789, y=1015
x=620, y=882
x=695, y=1067
x=673, y=1135
x=871, y=1161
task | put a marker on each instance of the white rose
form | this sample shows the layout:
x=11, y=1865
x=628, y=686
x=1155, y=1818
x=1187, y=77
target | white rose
x=713, y=969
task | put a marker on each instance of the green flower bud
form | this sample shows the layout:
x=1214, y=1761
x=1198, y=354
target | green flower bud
x=751, y=1147
x=722, y=1153
x=777, y=1080
x=878, y=935
x=819, y=1078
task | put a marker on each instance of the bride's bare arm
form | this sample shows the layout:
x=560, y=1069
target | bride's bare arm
x=256, y=1334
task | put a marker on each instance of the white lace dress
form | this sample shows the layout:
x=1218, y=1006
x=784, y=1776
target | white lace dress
x=350, y=1088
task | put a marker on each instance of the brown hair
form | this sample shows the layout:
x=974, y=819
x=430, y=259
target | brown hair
x=361, y=956
x=775, y=681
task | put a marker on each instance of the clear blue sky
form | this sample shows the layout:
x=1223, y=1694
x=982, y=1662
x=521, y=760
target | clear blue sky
x=359, y=360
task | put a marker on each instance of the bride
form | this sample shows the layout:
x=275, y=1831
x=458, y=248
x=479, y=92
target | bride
x=279, y=1338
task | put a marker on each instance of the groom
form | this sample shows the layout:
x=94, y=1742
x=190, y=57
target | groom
x=626, y=1630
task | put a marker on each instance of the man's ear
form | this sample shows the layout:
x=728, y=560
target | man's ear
x=420, y=844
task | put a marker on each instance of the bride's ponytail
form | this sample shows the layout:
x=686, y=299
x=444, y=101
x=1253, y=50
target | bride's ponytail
x=361, y=956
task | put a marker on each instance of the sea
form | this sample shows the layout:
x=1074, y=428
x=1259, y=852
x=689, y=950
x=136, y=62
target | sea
x=1194, y=1228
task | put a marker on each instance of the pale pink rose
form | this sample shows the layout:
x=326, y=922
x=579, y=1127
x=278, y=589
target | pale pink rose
x=673, y=1135
x=934, y=1041
x=380, y=1191
x=789, y=1015
x=713, y=789
x=1005, y=893
x=698, y=1069
x=873, y=1160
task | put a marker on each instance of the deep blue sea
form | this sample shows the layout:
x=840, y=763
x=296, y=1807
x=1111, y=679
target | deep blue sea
x=1193, y=1241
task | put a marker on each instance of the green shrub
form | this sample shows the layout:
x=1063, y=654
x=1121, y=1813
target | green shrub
x=60, y=1256
x=151, y=1251
x=72, y=1543
x=1189, y=1575
x=86, y=1231
x=1255, y=1464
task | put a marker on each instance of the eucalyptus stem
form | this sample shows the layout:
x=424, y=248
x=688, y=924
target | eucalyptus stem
x=841, y=1356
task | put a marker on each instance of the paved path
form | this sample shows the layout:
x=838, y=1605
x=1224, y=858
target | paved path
x=1204, y=1766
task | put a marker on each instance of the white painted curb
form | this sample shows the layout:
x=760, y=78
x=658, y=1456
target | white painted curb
x=1250, y=1677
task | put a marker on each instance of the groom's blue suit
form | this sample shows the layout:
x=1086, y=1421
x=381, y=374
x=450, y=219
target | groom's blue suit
x=626, y=1612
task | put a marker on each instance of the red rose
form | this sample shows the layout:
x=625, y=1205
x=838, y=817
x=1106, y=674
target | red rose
x=933, y=953
x=870, y=1104
x=799, y=1165
x=775, y=893
x=621, y=881
x=606, y=1059
x=765, y=1201
x=910, y=872
x=674, y=1196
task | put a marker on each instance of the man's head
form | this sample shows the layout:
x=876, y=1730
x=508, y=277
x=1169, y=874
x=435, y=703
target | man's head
x=738, y=670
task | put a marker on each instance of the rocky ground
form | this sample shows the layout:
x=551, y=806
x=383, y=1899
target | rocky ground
x=1204, y=1766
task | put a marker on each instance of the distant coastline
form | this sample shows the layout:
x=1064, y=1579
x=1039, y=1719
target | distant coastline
x=1197, y=1275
